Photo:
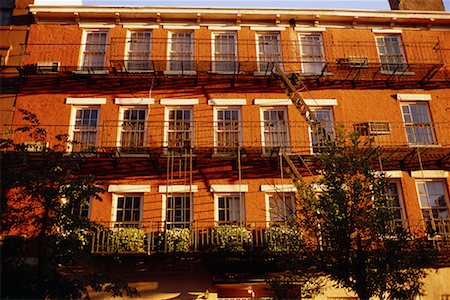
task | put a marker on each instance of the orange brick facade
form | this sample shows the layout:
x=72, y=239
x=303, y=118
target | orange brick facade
x=353, y=97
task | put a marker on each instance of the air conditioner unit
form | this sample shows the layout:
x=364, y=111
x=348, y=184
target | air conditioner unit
x=378, y=128
x=353, y=62
x=47, y=67
x=35, y=146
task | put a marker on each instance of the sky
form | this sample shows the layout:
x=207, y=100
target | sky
x=336, y=4
x=344, y=4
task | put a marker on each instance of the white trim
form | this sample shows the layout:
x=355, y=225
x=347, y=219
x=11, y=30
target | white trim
x=128, y=188
x=320, y=102
x=216, y=109
x=272, y=102
x=387, y=31
x=169, y=101
x=274, y=188
x=228, y=188
x=310, y=29
x=181, y=27
x=215, y=27
x=96, y=25
x=414, y=97
x=267, y=28
x=177, y=188
x=139, y=26
x=114, y=205
x=227, y=102
x=394, y=174
x=134, y=101
x=86, y=101
x=122, y=110
x=429, y=174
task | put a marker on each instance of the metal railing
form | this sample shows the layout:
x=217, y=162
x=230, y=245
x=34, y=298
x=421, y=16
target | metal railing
x=198, y=57
x=282, y=237
x=223, y=137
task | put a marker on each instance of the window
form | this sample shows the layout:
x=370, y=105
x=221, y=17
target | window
x=230, y=208
x=269, y=50
x=181, y=51
x=311, y=51
x=434, y=201
x=227, y=129
x=139, y=54
x=397, y=202
x=133, y=128
x=179, y=128
x=83, y=209
x=281, y=207
x=178, y=211
x=225, y=52
x=392, y=55
x=275, y=128
x=418, y=125
x=94, y=52
x=128, y=210
x=325, y=116
x=85, y=128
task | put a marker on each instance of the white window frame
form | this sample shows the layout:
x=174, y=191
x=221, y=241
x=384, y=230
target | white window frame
x=165, y=202
x=242, y=214
x=319, y=60
x=284, y=195
x=167, y=122
x=422, y=125
x=128, y=49
x=70, y=146
x=216, y=110
x=85, y=34
x=258, y=53
x=89, y=207
x=286, y=145
x=115, y=199
x=430, y=208
x=169, y=54
x=332, y=133
x=401, y=206
x=235, y=61
x=122, y=111
x=385, y=66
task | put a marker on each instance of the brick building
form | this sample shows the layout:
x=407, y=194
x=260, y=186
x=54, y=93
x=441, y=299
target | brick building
x=177, y=111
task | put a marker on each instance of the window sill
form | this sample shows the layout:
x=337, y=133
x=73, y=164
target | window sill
x=90, y=72
x=262, y=73
x=423, y=145
x=180, y=73
x=306, y=74
x=224, y=73
x=398, y=73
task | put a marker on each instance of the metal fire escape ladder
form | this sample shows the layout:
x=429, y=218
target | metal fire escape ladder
x=298, y=101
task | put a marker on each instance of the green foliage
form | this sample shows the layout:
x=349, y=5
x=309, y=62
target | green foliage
x=293, y=285
x=356, y=243
x=176, y=240
x=232, y=238
x=128, y=239
x=283, y=238
x=33, y=206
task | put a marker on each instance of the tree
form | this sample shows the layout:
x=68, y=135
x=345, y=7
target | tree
x=41, y=187
x=350, y=227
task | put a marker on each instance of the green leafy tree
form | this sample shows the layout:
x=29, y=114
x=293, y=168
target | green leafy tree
x=41, y=188
x=350, y=227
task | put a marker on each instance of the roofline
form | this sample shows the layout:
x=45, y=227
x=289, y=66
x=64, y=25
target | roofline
x=269, y=14
x=247, y=11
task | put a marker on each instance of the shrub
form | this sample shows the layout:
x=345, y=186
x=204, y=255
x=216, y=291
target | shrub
x=232, y=238
x=128, y=240
x=176, y=239
x=283, y=238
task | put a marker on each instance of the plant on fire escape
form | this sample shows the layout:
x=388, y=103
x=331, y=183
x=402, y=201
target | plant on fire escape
x=232, y=238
